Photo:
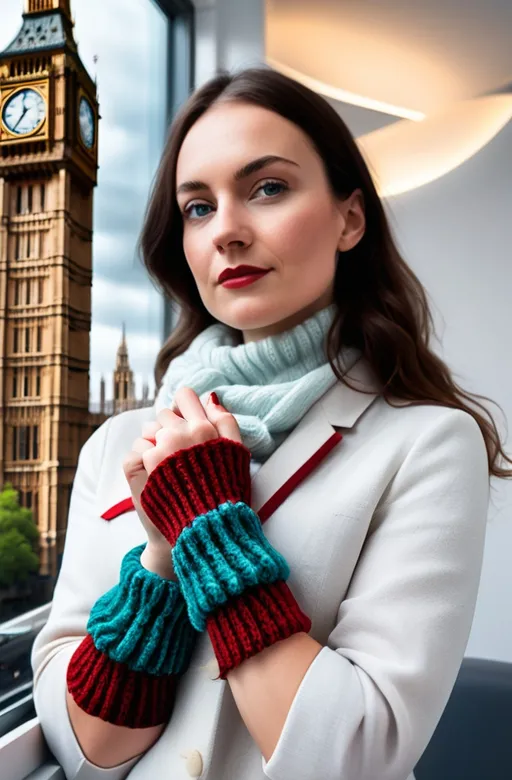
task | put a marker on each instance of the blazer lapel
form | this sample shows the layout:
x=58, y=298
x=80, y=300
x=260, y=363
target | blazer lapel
x=312, y=439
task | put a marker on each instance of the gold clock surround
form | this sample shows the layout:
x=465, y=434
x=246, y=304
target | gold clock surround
x=89, y=150
x=42, y=131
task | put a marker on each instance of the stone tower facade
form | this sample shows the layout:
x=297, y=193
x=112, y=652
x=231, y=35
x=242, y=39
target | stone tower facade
x=48, y=171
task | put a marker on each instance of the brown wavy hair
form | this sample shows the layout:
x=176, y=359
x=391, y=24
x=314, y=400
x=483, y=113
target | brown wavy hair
x=382, y=307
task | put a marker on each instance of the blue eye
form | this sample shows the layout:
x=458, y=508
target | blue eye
x=196, y=206
x=280, y=186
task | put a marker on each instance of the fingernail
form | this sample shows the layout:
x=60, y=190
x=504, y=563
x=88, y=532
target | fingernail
x=214, y=399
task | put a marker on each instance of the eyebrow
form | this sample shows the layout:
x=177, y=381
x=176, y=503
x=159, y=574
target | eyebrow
x=242, y=173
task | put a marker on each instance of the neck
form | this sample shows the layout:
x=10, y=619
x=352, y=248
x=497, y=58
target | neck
x=257, y=334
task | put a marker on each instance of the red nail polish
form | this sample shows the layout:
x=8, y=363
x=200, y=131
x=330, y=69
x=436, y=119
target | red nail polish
x=215, y=399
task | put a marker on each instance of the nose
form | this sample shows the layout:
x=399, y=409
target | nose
x=230, y=228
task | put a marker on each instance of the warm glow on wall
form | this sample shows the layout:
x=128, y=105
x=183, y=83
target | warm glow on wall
x=418, y=149
x=336, y=93
x=406, y=155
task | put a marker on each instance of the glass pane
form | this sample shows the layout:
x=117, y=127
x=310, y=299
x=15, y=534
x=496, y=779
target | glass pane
x=131, y=73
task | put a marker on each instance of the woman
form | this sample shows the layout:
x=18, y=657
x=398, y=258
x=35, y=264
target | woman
x=289, y=589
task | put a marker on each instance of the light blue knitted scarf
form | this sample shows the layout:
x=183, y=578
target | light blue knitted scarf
x=268, y=385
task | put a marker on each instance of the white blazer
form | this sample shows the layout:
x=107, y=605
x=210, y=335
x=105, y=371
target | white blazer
x=381, y=515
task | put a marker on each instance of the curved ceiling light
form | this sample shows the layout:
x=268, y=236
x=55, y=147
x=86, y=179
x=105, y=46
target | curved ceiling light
x=419, y=149
x=406, y=155
x=343, y=95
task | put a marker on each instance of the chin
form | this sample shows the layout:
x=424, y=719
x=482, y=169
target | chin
x=250, y=314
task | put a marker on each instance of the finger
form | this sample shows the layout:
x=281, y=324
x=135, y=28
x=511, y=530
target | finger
x=223, y=421
x=141, y=445
x=149, y=429
x=188, y=403
x=167, y=418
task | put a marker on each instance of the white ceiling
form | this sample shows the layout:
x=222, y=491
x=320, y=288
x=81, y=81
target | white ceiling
x=409, y=53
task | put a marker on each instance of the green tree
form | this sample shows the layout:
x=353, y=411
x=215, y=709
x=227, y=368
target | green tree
x=19, y=538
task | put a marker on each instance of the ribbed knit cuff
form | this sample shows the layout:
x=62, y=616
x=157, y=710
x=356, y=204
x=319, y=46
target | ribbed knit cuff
x=139, y=643
x=222, y=554
x=247, y=624
x=192, y=481
x=233, y=581
x=115, y=693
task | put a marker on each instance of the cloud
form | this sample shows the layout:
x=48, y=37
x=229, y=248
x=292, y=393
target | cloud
x=114, y=303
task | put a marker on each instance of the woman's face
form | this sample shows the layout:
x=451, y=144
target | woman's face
x=277, y=215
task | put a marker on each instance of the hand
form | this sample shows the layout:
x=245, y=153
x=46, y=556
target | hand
x=156, y=557
x=189, y=424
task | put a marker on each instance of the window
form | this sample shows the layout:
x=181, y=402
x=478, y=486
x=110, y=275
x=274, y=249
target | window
x=42, y=194
x=39, y=338
x=17, y=250
x=14, y=453
x=15, y=336
x=24, y=437
x=29, y=199
x=38, y=381
x=27, y=339
x=14, y=383
x=28, y=246
x=26, y=391
x=35, y=442
x=19, y=197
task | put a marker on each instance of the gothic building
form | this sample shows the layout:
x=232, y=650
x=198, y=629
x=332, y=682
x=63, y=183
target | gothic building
x=48, y=171
x=123, y=390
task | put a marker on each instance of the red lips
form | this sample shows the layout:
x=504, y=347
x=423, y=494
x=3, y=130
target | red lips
x=241, y=270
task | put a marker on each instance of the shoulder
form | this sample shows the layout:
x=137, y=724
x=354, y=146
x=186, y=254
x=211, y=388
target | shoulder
x=412, y=423
x=399, y=437
x=427, y=424
x=434, y=444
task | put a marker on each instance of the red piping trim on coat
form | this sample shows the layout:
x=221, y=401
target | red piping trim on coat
x=284, y=491
x=126, y=505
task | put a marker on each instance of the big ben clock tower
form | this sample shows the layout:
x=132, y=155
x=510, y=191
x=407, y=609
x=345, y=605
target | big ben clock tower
x=48, y=171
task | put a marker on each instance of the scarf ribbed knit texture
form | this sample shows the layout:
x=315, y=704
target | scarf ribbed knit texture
x=268, y=385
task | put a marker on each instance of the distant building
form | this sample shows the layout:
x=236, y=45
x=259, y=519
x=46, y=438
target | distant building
x=123, y=390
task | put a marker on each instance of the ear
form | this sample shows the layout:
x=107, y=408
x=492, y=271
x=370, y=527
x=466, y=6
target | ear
x=352, y=210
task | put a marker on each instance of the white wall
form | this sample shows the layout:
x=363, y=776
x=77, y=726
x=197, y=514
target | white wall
x=456, y=234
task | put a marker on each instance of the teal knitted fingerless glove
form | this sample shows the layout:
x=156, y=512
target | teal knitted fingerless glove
x=230, y=554
x=139, y=643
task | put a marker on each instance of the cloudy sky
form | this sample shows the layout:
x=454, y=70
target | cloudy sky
x=129, y=39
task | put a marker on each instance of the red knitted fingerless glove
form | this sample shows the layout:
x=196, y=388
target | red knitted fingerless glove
x=199, y=498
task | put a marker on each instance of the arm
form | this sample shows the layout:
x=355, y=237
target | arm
x=81, y=741
x=368, y=703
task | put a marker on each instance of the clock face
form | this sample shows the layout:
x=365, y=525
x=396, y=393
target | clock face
x=86, y=123
x=24, y=111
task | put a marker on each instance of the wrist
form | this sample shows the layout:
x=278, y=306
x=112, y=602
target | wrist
x=158, y=560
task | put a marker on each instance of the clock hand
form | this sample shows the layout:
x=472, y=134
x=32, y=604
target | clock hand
x=19, y=120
